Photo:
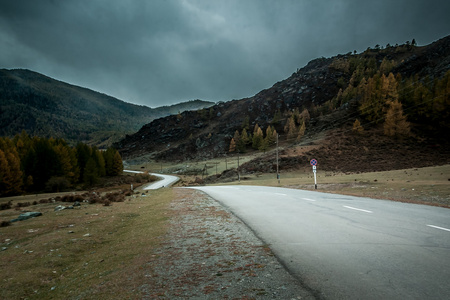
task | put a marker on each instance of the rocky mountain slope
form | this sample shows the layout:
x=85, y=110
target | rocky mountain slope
x=46, y=107
x=330, y=89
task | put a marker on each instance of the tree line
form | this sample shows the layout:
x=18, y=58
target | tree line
x=242, y=141
x=34, y=164
x=388, y=98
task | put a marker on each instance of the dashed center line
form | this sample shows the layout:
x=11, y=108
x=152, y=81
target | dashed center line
x=307, y=199
x=280, y=194
x=437, y=227
x=358, y=209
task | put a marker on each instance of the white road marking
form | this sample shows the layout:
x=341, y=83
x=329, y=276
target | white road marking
x=359, y=209
x=437, y=227
x=307, y=199
x=280, y=194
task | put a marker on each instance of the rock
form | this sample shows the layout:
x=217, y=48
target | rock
x=26, y=216
x=60, y=207
x=76, y=204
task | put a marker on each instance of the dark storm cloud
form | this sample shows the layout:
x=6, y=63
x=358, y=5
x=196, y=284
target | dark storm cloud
x=163, y=52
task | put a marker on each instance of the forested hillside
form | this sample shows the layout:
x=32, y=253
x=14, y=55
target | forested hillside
x=33, y=164
x=402, y=89
x=46, y=107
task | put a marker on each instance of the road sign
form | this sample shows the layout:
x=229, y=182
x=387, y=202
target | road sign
x=313, y=163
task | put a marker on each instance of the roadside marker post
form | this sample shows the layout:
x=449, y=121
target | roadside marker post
x=313, y=163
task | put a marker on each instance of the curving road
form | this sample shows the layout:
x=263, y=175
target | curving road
x=165, y=180
x=343, y=247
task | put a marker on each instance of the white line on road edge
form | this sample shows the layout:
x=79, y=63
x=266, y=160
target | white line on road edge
x=307, y=199
x=437, y=227
x=367, y=211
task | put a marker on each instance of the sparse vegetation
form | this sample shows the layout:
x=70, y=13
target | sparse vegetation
x=91, y=252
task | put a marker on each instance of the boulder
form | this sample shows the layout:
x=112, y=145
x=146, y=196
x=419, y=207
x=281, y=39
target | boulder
x=27, y=215
x=60, y=207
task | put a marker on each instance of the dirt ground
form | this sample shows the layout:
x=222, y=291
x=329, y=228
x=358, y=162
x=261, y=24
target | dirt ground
x=210, y=254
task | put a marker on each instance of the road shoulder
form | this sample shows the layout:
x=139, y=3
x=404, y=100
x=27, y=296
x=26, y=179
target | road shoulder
x=209, y=253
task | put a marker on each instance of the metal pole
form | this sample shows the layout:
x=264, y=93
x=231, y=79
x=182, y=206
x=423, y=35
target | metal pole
x=315, y=180
x=239, y=175
x=278, y=174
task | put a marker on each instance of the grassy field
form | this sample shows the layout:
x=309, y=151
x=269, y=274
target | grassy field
x=425, y=185
x=95, y=252
x=213, y=166
x=429, y=185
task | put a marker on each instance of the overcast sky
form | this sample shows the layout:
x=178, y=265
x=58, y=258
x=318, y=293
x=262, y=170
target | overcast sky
x=161, y=52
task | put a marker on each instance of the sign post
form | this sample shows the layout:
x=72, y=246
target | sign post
x=313, y=163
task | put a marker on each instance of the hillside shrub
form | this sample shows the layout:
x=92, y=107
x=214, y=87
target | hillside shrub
x=4, y=206
x=23, y=204
x=5, y=223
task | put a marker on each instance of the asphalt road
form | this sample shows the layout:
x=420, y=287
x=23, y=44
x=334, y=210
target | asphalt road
x=165, y=180
x=343, y=247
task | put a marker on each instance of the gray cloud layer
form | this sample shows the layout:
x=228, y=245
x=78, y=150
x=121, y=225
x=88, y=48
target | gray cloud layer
x=163, y=52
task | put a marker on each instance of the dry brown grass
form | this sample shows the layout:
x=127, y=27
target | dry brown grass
x=430, y=185
x=95, y=252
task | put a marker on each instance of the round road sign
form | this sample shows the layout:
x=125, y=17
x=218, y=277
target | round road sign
x=313, y=162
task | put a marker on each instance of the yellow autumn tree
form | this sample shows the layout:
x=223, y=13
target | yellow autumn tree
x=357, y=128
x=396, y=123
x=258, y=137
x=290, y=128
x=232, y=145
x=301, y=131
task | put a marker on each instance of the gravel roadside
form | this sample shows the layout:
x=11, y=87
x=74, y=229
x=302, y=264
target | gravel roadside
x=208, y=253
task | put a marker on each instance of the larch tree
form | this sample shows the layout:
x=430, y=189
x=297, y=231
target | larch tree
x=291, y=128
x=237, y=137
x=232, y=146
x=5, y=176
x=100, y=161
x=108, y=156
x=64, y=160
x=269, y=136
x=258, y=137
x=90, y=175
x=389, y=90
x=301, y=131
x=117, y=164
x=243, y=141
x=396, y=123
x=15, y=172
x=357, y=128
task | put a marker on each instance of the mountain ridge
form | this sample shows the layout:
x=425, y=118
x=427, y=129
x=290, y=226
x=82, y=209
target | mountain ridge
x=316, y=87
x=47, y=107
